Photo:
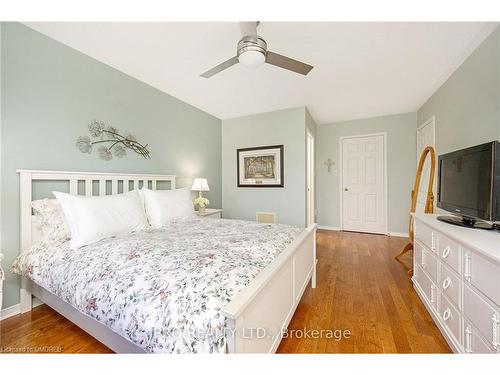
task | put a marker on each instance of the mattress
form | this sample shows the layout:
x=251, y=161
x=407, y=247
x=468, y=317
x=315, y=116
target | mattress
x=162, y=289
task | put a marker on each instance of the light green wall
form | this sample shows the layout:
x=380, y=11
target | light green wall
x=401, y=165
x=467, y=105
x=285, y=127
x=50, y=93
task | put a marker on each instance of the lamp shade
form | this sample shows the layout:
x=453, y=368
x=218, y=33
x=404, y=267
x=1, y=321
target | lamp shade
x=200, y=184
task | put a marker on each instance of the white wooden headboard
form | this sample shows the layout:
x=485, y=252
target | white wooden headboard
x=128, y=182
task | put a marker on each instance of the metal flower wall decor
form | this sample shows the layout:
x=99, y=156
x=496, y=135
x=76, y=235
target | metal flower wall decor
x=112, y=143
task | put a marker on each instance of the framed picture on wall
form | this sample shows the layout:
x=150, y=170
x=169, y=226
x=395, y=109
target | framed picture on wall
x=260, y=166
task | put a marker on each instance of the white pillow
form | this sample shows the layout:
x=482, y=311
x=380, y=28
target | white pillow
x=164, y=206
x=49, y=219
x=91, y=219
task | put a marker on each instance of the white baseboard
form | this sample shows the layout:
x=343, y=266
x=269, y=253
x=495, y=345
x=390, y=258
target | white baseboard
x=16, y=309
x=393, y=234
x=398, y=234
x=326, y=227
x=10, y=311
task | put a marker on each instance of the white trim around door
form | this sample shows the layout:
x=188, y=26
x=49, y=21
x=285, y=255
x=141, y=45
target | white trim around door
x=431, y=121
x=341, y=182
x=426, y=136
x=310, y=187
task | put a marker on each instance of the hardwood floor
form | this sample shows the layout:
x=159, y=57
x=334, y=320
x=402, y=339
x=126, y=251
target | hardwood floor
x=360, y=288
x=45, y=331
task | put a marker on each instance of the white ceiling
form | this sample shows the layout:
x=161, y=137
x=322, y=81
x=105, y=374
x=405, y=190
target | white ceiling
x=360, y=69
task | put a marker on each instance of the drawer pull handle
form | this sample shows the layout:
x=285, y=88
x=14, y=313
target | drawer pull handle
x=433, y=294
x=446, y=314
x=496, y=332
x=468, y=340
x=467, y=272
x=446, y=283
x=446, y=252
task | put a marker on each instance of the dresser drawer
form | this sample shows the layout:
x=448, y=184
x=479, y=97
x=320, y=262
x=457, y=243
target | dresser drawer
x=426, y=259
x=482, y=315
x=483, y=274
x=418, y=250
x=450, y=317
x=450, y=284
x=473, y=342
x=430, y=264
x=450, y=252
x=426, y=286
x=425, y=234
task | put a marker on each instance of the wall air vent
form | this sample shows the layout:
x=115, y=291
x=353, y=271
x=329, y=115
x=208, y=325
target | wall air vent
x=266, y=217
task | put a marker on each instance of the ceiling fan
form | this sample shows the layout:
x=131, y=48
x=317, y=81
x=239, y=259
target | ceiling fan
x=252, y=52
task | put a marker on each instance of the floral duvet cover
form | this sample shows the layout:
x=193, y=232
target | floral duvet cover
x=161, y=289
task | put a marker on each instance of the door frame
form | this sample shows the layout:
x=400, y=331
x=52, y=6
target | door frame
x=341, y=171
x=310, y=177
x=431, y=120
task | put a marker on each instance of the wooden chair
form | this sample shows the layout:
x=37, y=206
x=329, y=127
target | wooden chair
x=429, y=202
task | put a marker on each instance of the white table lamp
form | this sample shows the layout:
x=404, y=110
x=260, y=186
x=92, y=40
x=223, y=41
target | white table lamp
x=200, y=185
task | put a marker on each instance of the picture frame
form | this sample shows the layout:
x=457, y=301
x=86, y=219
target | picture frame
x=260, y=166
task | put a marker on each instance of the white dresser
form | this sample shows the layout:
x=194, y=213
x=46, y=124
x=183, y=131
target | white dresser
x=457, y=276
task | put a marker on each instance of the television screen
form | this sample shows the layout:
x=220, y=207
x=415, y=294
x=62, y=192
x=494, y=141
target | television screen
x=465, y=182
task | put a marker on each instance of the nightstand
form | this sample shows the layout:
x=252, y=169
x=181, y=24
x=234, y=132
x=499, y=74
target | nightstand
x=211, y=213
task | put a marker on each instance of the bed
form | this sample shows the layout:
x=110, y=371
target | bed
x=197, y=286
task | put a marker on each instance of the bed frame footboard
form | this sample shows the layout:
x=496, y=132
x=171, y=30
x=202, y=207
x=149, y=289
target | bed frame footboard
x=257, y=315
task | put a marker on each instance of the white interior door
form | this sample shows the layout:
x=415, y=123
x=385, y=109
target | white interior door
x=363, y=190
x=310, y=179
x=425, y=137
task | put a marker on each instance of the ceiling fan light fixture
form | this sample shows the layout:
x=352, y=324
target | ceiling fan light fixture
x=252, y=52
x=252, y=59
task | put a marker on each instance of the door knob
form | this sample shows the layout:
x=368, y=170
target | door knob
x=346, y=189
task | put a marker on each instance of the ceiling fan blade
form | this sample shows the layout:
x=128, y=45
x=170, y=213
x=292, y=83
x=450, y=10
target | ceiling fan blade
x=219, y=68
x=249, y=28
x=287, y=63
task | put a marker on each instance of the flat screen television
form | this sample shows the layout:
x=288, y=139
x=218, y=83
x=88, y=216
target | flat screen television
x=469, y=185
